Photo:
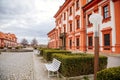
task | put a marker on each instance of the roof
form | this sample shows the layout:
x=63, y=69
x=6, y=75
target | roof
x=13, y=35
x=7, y=35
x=51, y=31
x=2, y=35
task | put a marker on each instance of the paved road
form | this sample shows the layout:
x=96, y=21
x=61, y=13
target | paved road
x=16, y=66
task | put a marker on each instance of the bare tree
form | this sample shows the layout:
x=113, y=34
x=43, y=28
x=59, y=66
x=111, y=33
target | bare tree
x=34, y=42
x=24, y=42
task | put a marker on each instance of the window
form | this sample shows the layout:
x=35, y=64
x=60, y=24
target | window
x=105, y=12
x=88, y=22
x=77, y=43
x=78, y=23
x=70, y=27
x=90, y=42
x=70, y=10
x=59, y=30
x=70, y=43
x=106, y=41
x=88, y=19
x=64, y=28
x=77, y=4
x=64, y=16
x=106, y=33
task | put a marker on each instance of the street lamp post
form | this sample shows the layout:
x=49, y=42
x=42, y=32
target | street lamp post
x=96, y=19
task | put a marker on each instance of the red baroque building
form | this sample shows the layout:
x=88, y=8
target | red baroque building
x=8, y=40
x=74, y=32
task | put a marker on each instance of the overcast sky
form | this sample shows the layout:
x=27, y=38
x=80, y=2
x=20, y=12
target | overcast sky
x=28, y=18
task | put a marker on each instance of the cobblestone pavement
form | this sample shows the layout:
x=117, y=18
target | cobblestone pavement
x=16, y=66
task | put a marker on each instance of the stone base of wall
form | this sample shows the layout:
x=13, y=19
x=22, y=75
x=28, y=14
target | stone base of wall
x=15, y=50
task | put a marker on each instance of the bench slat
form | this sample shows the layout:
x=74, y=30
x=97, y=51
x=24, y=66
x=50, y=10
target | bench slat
x=54, y=66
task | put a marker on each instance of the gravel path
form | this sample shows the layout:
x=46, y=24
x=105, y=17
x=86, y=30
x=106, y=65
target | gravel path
x=16, y=66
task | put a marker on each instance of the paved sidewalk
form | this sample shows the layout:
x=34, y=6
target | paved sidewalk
x=39, y=69
x=113, y=61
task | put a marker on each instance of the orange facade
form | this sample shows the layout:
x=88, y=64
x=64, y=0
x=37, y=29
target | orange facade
x=74, y=31
x=52, y=39
x=8, y=40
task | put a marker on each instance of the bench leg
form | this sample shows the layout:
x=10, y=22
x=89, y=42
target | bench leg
x=48, y=74
x=57, y=74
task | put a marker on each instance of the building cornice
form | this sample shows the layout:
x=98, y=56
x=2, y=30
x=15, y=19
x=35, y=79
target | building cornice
x=115, y=0
x=62, y=7
x=90, y=4
x=51, y=31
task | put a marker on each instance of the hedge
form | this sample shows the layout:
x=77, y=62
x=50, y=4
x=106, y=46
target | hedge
x=1, y=47
x=18, y=47
x=9, y=47
x=78, y=64
x=35, y=47
x=47, y=54
x=41, y=50
x=109, y=74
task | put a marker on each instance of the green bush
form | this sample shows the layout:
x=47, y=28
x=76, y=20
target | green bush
x=47, y=54
x=35, y=47
x=1, y=47
x=41, y=50
x=17, y=47
x=78, y=64
x=9, y=47
x=109, y=74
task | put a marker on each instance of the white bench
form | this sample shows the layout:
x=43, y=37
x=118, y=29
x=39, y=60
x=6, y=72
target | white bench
x=53, y=67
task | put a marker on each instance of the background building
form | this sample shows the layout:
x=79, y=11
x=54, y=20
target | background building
x=74, y=32
x=8, y=40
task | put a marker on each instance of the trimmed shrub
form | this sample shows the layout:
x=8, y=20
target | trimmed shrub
x=41, y=50
x=17, y=47
x=1, y=47
x=47, y=54
x=109, y=74
x=9, y=47
x=78, y=64
x=35, y=47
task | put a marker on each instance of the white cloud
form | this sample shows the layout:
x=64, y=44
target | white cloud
x=28, y=17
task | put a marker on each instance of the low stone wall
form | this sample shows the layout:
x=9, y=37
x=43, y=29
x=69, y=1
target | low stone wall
x=16, y=50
